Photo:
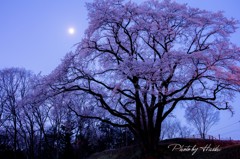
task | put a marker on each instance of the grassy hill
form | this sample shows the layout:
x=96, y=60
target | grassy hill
x=179, y=149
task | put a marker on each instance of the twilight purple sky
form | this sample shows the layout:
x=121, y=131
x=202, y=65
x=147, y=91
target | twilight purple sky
x=34, y=35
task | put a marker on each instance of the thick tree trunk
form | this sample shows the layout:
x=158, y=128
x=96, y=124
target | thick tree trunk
x=149, y=136
x=148, y=141
x=149, y=145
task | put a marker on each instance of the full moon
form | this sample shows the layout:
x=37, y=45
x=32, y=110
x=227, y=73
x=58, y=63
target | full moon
x=71, y=31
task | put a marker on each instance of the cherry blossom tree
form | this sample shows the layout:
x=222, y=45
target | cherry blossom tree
x=138, y=62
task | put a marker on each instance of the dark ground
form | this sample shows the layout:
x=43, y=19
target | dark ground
x=206, y=149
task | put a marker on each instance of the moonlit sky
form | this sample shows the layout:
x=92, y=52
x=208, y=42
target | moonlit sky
x=34, y=35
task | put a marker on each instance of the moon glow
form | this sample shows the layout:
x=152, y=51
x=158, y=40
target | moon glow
x=71, y=31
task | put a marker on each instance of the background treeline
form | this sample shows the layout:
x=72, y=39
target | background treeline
x=56, y=127
x=48, y=129
x=60, y=142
